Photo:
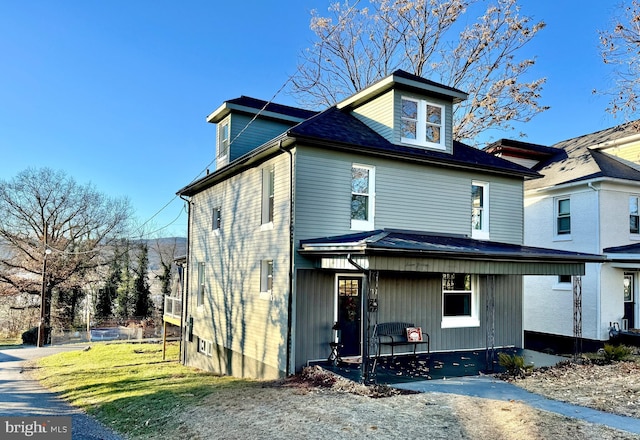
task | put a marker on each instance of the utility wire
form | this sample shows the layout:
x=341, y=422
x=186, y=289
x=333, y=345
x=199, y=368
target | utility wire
x=204, y=170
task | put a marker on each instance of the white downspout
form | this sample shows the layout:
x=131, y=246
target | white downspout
x=598, y=250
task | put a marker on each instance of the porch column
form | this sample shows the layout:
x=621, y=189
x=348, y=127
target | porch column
x=490, y=319
x=577, y=317
x=370, y=305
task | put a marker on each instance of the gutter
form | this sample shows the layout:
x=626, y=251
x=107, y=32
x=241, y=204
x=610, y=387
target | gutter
x=291, y=262
x=598, y=272
x=185, y=293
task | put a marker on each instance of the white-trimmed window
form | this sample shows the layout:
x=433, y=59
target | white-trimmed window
x=460, y=304
x=480, y=210
x=422, y=123
x=216, y=219
x=634, y=215
x=563, y=217
x=268, y=192
x=200, y=292
x=223, y=143
x=362, y=197
x=204, y=347
x=266, y=277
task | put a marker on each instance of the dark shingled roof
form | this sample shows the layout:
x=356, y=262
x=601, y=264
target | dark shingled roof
x=438, y=246
x=578, y=161
x=259, y=104
x=333, y=127
x=628, y=249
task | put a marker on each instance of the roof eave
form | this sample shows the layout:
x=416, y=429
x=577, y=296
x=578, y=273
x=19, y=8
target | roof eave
x=388, y=83
x=391, y=154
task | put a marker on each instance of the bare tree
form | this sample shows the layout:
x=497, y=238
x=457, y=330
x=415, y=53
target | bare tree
x=357, y=46
x=52, y=226
x=621, y=50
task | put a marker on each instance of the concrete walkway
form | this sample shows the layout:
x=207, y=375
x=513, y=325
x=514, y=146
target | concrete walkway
x=490, y=388
x=21, y=396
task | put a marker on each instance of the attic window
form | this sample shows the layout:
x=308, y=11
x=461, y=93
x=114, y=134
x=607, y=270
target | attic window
x=223, y=141
x=422, y=123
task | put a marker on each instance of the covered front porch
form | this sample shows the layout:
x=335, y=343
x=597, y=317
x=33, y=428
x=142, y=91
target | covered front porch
x=465, y=294
x=439, y=365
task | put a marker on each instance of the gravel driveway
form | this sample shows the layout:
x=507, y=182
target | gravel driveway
x=22, y=396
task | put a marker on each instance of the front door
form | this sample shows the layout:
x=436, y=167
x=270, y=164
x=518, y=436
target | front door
x=629, y=299
x=349, y=290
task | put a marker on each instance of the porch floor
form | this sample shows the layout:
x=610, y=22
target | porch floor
x=440, y=365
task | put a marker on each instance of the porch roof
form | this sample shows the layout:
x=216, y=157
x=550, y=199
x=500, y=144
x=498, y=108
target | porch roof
x=397, y=250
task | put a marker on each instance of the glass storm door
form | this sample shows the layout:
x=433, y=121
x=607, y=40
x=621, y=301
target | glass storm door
x=350, y=315
x=629, y=299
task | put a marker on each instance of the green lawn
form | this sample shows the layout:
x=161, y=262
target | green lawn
x=6, y=343
x=129, y=387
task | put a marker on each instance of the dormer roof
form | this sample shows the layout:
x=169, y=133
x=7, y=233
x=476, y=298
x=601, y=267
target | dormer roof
x=406, y=81
x=248, y=105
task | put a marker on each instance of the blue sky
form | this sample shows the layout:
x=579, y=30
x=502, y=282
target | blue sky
x=116, y=93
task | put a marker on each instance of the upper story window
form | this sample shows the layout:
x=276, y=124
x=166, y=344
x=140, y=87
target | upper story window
x=460, y=306
x=216, y=219
x=268, y=193
x=634, y=216
x=422, y=123
x=480, y=210
x=362, y=197
x=223, y=141
x=563, y=217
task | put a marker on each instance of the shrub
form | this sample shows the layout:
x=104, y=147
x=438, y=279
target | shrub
x=514, y=365
x=30, y=337
x=615, y=353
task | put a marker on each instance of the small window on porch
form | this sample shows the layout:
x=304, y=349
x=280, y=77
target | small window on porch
x=459, y=301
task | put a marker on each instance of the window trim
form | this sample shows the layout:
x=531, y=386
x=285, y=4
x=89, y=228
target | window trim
x=635, y=234
x=462, y=321
x=266, y=278
x=205, y=347
x=422, y=123
x=200, y=284
x=224, y=133
x=216, y=219
x=483, y=232
x=563, y=285
x=364, y=225
x=268, y=196
x=557, y=215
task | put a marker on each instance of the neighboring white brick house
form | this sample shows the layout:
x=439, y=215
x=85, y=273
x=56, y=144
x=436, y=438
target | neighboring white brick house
x=587, y=201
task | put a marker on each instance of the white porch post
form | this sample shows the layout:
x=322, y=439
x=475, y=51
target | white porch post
x=577, y=316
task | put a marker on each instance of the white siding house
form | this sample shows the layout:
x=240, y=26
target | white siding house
x=586, y=201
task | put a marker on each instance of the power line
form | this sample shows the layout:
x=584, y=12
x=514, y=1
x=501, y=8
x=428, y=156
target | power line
x=204, y=170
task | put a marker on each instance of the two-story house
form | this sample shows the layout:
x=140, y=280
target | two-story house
x=586, y=201
x=366, y=212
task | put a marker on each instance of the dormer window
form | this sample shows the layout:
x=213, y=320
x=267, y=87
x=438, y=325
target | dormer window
x=223, y=143
x=422, y=123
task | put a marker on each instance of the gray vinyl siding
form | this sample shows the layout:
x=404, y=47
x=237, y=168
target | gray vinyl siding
x=257, y=132
x=506, y=210
x=314, y=315
x=378, y=115
x=413, y=298
x=408, y=196
x=248, y=329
